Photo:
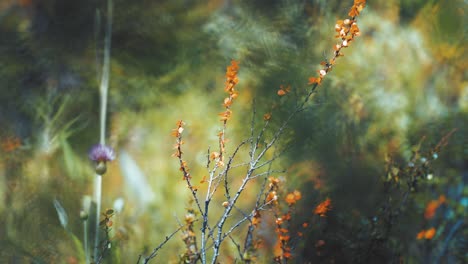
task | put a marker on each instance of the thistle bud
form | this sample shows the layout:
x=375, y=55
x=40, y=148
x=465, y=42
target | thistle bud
x=101, y=167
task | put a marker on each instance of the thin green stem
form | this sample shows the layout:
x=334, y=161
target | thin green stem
x=105, y=71
x=97, y=198
x=85, y=239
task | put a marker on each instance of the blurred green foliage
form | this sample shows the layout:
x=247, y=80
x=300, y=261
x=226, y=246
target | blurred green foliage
x=402, y=80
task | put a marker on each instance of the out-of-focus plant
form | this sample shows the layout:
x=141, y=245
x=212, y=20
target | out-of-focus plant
x=63, y=218
x=401, y=182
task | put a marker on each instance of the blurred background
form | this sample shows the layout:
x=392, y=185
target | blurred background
x=401, y=84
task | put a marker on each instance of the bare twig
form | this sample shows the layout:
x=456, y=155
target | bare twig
x=155, y=250
x=239, y=251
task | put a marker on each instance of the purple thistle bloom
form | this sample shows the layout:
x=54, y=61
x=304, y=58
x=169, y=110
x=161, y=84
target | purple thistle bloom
x=99, y=153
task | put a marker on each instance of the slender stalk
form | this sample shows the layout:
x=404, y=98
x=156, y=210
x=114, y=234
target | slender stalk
x=97, y=32
x=97, y=198
x=85, y=239
x=104, y=86
x=105, y=71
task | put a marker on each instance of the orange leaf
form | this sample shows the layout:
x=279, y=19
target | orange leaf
x=420, y=235
x=323, y=208
x=297, y=195
x=281, y=92
x=203, y=180
x=313, y=80
x=431, y=209
x=225, y=115
x=430, y=233
x=290, y=199
x=271, y=197
x=214, y=155
x=284, y=90
x=227, y=102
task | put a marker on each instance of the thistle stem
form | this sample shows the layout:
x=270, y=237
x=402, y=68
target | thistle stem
x=105, y=72
x=97, y=198
x=104, y=86
x=85, y=239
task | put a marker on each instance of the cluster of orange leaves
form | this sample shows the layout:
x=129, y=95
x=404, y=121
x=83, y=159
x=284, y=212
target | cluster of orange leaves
x=256, y=219
x=255, y=222
x=292, y=198
x=429, y=213
x=231, y=82
x=346, y=30
x=323, y=208
x=432, y=206
x=426, y=234
x=11, y=144
x=272, y=196
x=284, y=90
x=282, y=221
x=177, y=133
x=283, y=250
x=267, y=116
x=189, y=236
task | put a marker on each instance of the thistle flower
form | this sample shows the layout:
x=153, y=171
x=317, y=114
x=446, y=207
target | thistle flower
x=101, y=154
